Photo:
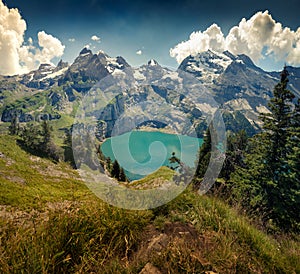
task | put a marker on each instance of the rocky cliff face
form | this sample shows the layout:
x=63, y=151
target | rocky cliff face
x=240, y=89
x=88, y=68
x=236, y=83
x=45, y=76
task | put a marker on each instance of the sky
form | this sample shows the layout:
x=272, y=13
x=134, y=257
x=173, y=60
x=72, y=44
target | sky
x=35, y=31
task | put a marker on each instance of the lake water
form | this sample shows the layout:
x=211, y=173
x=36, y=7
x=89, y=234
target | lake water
x=141, y=152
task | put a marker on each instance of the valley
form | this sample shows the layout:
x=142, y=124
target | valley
x=59, y=214
x=231, y=83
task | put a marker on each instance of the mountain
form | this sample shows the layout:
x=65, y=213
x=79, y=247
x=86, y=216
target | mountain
x=231, y=82
x=206, y=66
x=88, y=68
x=44, y=76
x=237, y=84
x=55, y=91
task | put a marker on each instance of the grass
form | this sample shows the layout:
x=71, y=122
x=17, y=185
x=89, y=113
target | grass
x=75, y=238
x=59, y=127
x=28, y=181
x=50, y=222
x=229, y=243
x=160, y=176
x=11, y=91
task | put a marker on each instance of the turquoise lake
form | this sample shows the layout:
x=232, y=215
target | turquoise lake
x=142, y=152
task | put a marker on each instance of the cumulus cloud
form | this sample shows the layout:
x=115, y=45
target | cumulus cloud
x=50, y=46
x=30, y=57
x=139, y=52
x=12, y=28
x=212, y=38
x=254, y=37
x=95, y=38
x=18, y=56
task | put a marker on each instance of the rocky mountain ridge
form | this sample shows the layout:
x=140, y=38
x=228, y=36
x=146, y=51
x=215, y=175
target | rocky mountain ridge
x=237, y=85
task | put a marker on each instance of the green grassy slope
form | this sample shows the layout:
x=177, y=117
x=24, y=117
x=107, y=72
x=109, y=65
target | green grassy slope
x=51, y=223
x=27, y=181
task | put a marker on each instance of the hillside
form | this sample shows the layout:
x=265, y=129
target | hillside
x=52, y=223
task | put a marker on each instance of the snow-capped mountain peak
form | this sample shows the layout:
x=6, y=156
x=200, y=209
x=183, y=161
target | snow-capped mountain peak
x=208, y=65
x=85, y=51
x=239, y=87
x=152, y=63
x=34, y=79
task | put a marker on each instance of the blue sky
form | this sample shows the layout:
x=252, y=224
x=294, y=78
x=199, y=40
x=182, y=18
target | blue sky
x=151, y=27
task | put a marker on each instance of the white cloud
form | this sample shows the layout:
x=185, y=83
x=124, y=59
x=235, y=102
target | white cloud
x=95, y=38
x=139, y=52
x=72, y=40
x=30, y=57
x=12, y=28
x=251, y=37
x=51, y=47
x=212, y=38
x=15, y=55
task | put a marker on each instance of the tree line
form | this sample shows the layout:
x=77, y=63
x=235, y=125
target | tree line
x=37, y=138
x=262, y=173
x=112, y=168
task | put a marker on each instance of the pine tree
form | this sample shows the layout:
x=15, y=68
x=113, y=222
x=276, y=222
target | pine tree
x=68, y=150
x=249, y=178
x=236, y=145
x=68, y=138
x=115, y=171
x=122, y=175
x=101, y=156
x=47, y=145
x=38, y=139
x=294, y=141
x=293, y=175
x=108, y=164
x=204, y=155
x=31, y=137
x=263, y=183
x=46, y=132
x=276, y=125
x=14, y=125
x=174, y=161
x=90, y=152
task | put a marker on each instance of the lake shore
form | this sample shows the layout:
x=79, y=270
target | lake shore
x=167, y=130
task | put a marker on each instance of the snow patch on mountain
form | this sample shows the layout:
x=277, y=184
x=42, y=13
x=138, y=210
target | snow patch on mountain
x=239, y=104
x=111, y=61
x=118, y=72
x=84, y=54
x=262, y=109
x=207, y=66
x=206, y=108
x=138, y=75
x=54, y=74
